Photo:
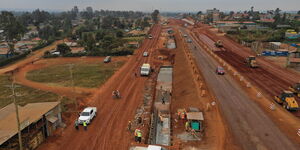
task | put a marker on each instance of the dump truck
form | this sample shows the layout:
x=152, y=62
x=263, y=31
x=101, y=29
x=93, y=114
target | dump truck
x=219, y=44
x=287, y=100
x=295, y=89
x=251, y=62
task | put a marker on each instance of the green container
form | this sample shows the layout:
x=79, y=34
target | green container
x=195, y=125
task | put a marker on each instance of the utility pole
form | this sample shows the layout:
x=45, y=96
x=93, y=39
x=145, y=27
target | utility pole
x=73, y=88
x=17, y=111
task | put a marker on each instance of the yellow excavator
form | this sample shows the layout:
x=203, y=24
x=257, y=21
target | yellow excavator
x=295, y=89
x=287, y=100
x=251, y=62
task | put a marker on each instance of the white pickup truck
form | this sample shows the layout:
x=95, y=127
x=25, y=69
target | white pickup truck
x=87, y=115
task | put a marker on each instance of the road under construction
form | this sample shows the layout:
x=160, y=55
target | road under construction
x=240, y=117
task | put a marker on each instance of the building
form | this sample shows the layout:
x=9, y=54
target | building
x=213, y=14
x=133, y=44
x=37, y=122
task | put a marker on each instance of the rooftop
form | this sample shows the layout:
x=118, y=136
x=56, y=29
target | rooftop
x=29, y=113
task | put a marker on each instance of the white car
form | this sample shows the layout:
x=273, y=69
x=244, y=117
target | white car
x=145, y=54
x=87, y=115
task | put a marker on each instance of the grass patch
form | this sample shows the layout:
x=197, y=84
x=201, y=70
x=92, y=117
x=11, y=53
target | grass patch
x=84, y=75
x=24, y=94
x=131, y=39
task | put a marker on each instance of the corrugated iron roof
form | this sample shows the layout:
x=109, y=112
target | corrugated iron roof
x=195, y=116
x=28, y=114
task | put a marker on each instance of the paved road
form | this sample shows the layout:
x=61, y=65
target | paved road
x=251, y=127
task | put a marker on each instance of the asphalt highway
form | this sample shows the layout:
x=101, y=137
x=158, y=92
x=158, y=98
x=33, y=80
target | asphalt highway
x=251, y=127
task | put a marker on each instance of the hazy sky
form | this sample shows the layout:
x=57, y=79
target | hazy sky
x=148, y=5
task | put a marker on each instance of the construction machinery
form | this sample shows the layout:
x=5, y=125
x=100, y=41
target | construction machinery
x=287, y=100
x=251, y=62
x=219, y=44
x=295, y=89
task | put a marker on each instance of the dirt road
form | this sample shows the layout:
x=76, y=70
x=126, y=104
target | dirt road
x=252, y=128
x=31, y=58
x=108, y=130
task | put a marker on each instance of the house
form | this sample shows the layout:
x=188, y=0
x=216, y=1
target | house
x=71, y=44
x=37, y=122
x=3, y=52
x=37, y=39
x=133, y=44
x=77, y=49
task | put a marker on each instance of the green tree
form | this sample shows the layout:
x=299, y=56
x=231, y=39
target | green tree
x=13, y=29
x=89, y=41
x=154, y=15
x=63, y=48
x=119, y=34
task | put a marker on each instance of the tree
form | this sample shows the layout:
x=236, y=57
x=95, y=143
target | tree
x=63, y=48
x=89, y=41
x=298, y=12
x=154, y=15
x=13, y=29
x=119, y=34
x=199, y=13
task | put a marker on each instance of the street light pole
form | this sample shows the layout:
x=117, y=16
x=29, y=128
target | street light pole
x=17, y=111
x=73, y=88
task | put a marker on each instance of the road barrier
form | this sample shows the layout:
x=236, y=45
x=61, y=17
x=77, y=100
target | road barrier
x=259, y=95
x=248, y=84
x=298, y=132
x=272, y=106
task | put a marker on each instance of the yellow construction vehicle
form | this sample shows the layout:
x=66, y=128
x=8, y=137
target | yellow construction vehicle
x=295, y=89
x=287, y=100
x=219, y=44
x=251, y=62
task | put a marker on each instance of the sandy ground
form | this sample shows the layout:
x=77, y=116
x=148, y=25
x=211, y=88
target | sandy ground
x=108, y=130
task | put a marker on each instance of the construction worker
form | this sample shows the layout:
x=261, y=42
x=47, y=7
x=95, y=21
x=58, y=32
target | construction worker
x=161, y=119
x=136, y=134
x=129, y=126
x=163, y=100
x=118, y=94
x=76, y=125
x=84, y=125
x=139, y=136
x=187, y=126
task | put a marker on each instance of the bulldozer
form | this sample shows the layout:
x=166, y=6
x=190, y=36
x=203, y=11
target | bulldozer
x=251, y=62
x=287, y=100
x=219, y=44
x=295, y=89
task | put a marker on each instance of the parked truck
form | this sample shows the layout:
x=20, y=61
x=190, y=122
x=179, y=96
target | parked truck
x=87, y=115
x=287, y=100
x=145, y=70
x=251, y=62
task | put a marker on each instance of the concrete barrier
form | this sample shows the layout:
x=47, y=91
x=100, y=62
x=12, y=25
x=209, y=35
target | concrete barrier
x=259, y=95
x=248, y=84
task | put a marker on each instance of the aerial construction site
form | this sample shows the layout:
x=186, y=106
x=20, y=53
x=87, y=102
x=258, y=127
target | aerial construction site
x=185, y=86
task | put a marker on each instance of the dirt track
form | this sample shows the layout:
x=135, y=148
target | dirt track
x=80, y=92
x=252, y=128
x=108, y=130
x=29, y=59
